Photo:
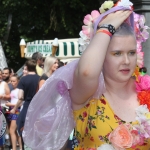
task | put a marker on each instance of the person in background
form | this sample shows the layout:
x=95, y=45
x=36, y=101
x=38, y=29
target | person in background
x=25, y=70
x=109, y=98
x=50, y=65
x=13, y=117
x=60, y=64
x=39, y=62
x=4, y=97
x=27, y=89
x=6, y=74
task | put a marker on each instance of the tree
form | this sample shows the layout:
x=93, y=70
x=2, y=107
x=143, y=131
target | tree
x=40, y=20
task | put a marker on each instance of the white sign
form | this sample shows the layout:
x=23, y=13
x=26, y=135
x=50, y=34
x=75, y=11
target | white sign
x=42, y=48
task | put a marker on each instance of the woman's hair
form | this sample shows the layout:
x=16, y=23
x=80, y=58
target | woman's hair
x=37, y=56
x=125, y=30
x=31, y=65
x=48, y=63
x=16, y=76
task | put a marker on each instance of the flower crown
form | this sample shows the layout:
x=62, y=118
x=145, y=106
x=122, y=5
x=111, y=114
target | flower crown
x=140, y=29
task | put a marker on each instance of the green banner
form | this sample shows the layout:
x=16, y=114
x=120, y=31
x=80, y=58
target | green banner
x=42, y=48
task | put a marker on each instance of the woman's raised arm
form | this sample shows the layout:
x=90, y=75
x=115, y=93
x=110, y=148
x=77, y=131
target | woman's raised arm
x=90, y=65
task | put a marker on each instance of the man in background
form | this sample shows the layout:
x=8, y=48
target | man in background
x=6, y=74
x=39, y=62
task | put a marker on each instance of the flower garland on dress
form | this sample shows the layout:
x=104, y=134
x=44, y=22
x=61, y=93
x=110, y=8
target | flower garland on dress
x=125, y=135
x=139, y=20
x=131, y=135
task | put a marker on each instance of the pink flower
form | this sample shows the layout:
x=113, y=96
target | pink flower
x=88, y=31
x=143, y=84
x=89, y=19
x=121, y=137
x=137, y=140
x=141, y=30
x=139, y=46
x=140, y=60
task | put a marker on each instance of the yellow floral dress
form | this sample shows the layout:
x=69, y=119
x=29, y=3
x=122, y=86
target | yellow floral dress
x=94, y=123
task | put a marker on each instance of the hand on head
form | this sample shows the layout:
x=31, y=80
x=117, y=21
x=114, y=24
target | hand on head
x=116, y=18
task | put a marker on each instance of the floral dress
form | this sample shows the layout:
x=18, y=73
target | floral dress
x=95, y=122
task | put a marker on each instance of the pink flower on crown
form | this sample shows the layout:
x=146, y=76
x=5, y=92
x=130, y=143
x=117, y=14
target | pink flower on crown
x=139, y=46
x=140, y=59
x=87, y=29
x=141, y=30
x=143, y=83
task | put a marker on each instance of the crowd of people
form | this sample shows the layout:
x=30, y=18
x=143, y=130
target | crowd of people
x=101, y=101
x=98, y=102
x=17, y=92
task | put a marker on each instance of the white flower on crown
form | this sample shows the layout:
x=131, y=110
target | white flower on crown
x=125, y=3
x=83, y=41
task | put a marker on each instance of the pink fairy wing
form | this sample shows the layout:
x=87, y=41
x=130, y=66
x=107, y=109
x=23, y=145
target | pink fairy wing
x=49, y=119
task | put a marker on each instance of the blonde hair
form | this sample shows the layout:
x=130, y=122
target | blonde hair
x=48, y=63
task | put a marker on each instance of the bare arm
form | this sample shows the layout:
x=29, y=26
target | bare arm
x=9, y=104
x=6, y=96
x=91, y=62
x=41, y=83
x=20, y=99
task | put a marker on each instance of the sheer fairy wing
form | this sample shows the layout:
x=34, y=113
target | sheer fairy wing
x=49, y=119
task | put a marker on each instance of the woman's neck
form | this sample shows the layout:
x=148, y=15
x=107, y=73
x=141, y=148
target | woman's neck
x=31, y=72
x=49, y=73
x=120, y=87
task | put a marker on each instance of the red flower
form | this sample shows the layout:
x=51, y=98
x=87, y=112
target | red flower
x=103, y=101
x=92, y=139
x=144, y=98
x=87, y=105
x=84, y=114
x=117, y=118
x=86, y=130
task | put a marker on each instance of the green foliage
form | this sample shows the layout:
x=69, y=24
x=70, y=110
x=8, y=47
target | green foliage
x=40, y=20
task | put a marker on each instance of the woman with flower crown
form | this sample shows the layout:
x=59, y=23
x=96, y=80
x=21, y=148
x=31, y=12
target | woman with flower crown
x=102, y=95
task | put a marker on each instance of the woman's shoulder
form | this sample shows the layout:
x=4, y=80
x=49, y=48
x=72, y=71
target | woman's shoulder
x=43, y=77
x=92, y=105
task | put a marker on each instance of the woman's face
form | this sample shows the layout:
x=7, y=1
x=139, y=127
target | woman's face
x=25, y=71
x=54, y=66
x=14, y=81
x=121, y=58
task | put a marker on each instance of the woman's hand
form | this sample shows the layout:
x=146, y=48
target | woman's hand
x=116, y=18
